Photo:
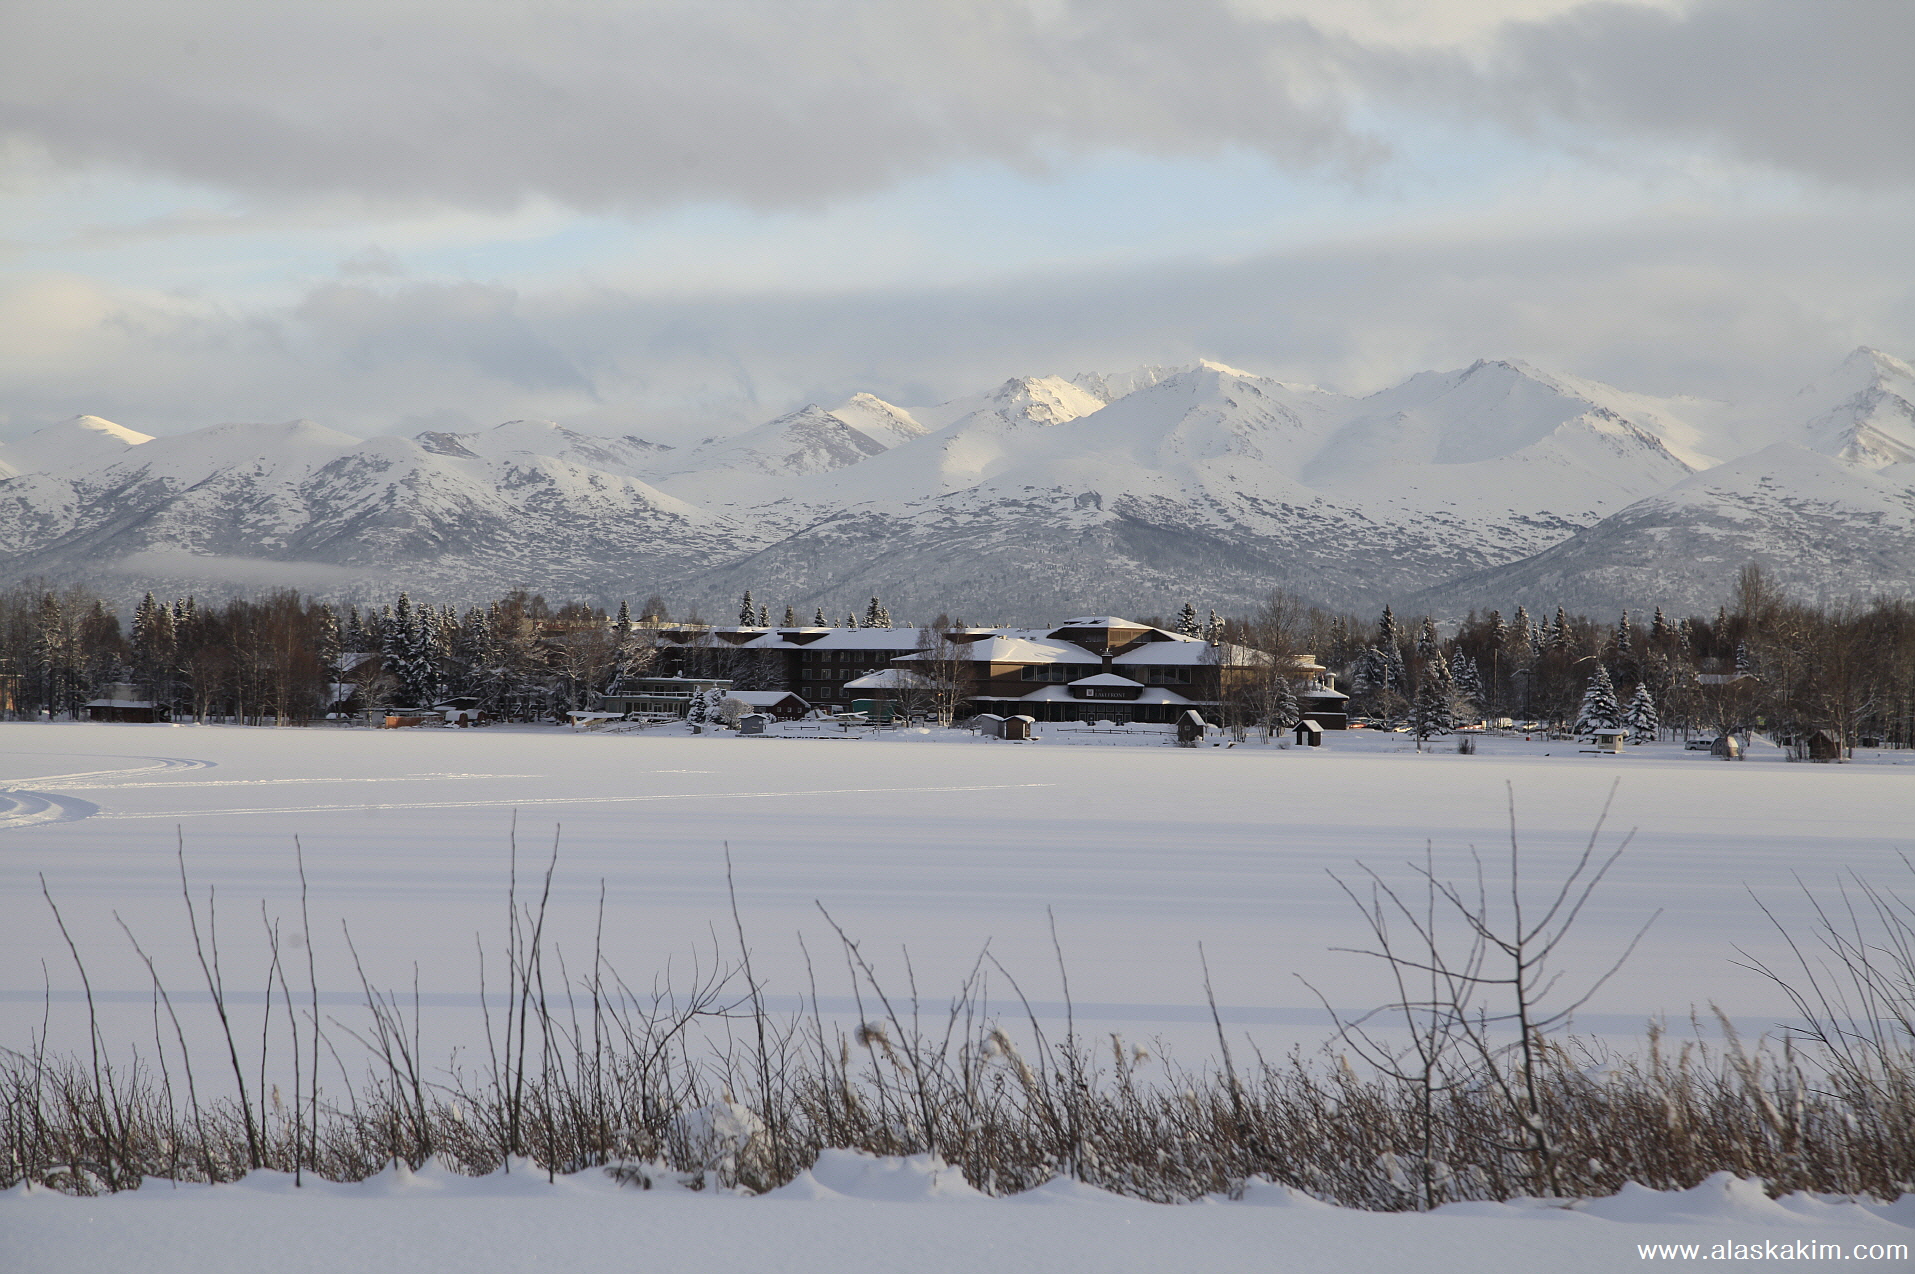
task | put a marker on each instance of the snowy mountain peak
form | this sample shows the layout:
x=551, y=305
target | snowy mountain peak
x=1871, y=423
x=629, y=456
x=1114, y=385
x=878, y=420
x=78, y=440
x=807, y=441
x=1043, y=400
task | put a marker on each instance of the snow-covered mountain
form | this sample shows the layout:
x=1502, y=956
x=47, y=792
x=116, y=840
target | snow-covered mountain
x=1829, y=513
x=74, y=442
x=1872, y=422
x=206, y=510
x=1487, y=485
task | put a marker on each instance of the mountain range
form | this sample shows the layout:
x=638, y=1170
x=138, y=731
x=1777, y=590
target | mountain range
x=1493, y=485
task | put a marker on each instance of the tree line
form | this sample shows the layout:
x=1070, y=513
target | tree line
x=1762, y=662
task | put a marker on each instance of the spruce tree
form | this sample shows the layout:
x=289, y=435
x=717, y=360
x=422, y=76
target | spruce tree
x=1641, y=718
x=1187, y=620
x=747, y=610
x=791, y=618
x=1429, y=646
x=818, y=618
x=764, y=616
x=1599, y=710
x=876, y=616
x=1430, y=712
x=1466, y=680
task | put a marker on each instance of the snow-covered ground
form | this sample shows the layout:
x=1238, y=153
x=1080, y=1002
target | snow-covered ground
x=928, y=842
x=933, y=842
x=852, y=1213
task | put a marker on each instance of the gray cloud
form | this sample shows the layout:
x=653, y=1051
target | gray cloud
x=604, y=107
x=1728, y=309
x=1821, y=89
x=789, y=104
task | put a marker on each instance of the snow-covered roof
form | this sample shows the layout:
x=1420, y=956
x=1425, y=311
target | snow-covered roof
x=837, y=639
x=1062, y=694
x=889, y=679
x=1107, y=679
x=1184, y=652
x=119, y=703
x=1100, y=621
x=761, y=698
x=1020, y=646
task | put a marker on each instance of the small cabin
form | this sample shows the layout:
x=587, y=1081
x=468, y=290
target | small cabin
x=753, y=723
x=780, y=704
x=1610, y=738
x=1020, y=728
x=1190, y=728
x=989, y=724
x=122, y=702
x=1309, y=734
x=1822, y=746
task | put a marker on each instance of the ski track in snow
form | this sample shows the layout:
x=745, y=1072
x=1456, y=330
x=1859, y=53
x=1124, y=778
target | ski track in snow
x=25, y=805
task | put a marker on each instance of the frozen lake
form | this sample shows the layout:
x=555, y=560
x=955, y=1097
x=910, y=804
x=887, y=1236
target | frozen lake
x=930, y=843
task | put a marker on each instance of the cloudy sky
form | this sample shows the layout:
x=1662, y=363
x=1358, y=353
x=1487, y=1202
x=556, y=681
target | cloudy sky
x=681, y=218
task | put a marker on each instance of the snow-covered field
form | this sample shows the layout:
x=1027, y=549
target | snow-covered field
x=927, y=842
x=855, y=1214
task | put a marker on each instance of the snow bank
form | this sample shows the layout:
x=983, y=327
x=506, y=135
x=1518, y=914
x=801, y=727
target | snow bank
x=855, y=1212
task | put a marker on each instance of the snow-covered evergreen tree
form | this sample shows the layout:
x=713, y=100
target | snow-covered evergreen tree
x=791, y=617
x=747, y=610
x=1388, y=636
x=1465, y=679
x=1371, y=672
x=1640, y=717
x=876, y=616
x=1213, y=631
x=818, y=618
x=1625, y=639
x=1599, y=710
x=1187, y=624
x=851, y=619
x=355, y=634
x=1745, y=662
x=696, y=711
x=1429, y=647
x=1430, y=712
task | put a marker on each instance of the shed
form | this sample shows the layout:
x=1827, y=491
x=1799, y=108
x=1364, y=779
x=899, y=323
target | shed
x=989, y=724
x=1824, y=746
x=1727, y=747
x=121, y=704
x=753, y=723
x=1309, y=733
x=1019, y=728
x=1190, y=728
x=781, y=704
x=1610, y=739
